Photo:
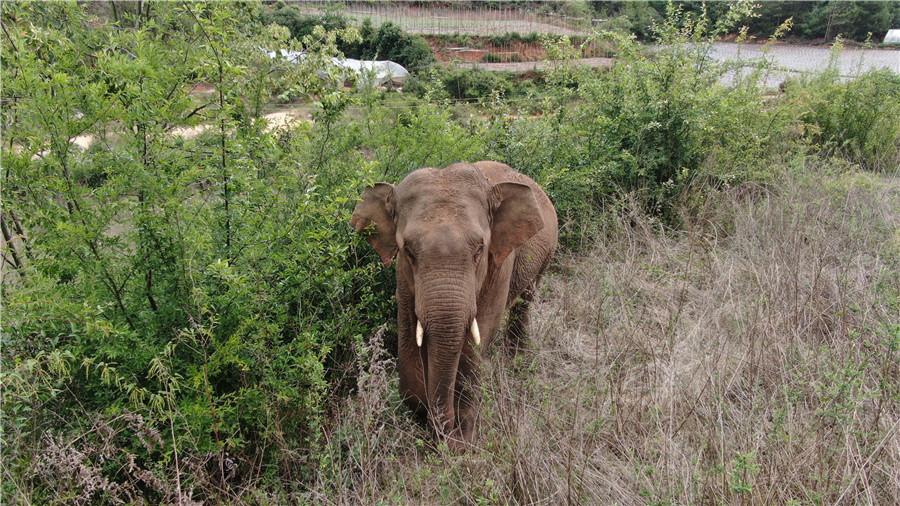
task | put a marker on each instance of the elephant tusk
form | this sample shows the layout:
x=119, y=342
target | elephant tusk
x=419, y=333
x=476, y=335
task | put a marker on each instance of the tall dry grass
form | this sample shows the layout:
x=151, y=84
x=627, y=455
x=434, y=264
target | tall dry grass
x=752, y=359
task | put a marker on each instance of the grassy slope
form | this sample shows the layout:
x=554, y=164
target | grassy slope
x=753, y=359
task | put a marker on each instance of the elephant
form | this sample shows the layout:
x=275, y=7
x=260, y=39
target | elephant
x=471, y=241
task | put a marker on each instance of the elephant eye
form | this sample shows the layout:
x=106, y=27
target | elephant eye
x=412, y=257
x=478, y=253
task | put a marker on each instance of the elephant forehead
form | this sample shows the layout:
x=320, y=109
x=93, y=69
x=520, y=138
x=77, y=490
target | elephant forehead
x=459, y=182
x=443, y=219
x=445, y=237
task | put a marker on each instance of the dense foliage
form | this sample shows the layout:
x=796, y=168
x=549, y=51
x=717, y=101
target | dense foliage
x=196, y=298
x=184, y=304
x=388, y=42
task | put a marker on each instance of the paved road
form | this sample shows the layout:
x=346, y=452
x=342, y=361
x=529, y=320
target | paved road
x=799, y=60
x=809, y=58
x=794, y=60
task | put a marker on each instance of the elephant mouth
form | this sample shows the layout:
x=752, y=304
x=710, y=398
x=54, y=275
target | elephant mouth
x=473, y=331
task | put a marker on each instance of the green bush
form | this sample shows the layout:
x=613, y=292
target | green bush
x=390, y=43
x=855, y=118
x=853, y=20
x=471, y=84
x=300, y=24
x=198, y=301
x=510, y=37
x=415, y=53
x=649, y=130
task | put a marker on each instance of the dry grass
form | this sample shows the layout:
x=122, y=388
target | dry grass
x=753, y=359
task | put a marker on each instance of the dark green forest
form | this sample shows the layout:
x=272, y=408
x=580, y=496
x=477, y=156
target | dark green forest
x=190, y=318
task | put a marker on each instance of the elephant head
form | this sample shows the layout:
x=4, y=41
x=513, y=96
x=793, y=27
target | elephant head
x=452, y=232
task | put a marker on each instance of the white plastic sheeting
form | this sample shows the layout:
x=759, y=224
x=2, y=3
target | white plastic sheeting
x=892, y=37
x=369, y=73
x=375, y=73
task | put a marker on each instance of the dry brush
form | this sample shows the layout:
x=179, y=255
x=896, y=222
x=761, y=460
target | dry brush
x=750, y=359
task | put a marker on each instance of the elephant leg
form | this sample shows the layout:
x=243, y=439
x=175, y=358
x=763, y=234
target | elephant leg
x=410, y=364
x=466, y=394
x=517, y=323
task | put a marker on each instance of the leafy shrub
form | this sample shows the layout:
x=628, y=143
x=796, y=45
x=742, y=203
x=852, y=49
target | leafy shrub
x=856, y=118
x=509, y=38
x=628, y=18
x=419, y=134
x=853, y=20
x=473, y=83
x=390, y=43
x=415, y=53
x=203, y=291
x=300, y=24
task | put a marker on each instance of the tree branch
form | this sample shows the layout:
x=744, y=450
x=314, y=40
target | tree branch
x=16, y=263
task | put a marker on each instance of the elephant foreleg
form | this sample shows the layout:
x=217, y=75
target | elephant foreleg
x=467, y=395
x=411, y=365
x=517, y=322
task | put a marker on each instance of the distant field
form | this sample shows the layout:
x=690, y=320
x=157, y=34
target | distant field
x=793, y=59
x=414, y=19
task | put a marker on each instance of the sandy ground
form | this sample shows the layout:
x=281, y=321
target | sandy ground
x=276, y=121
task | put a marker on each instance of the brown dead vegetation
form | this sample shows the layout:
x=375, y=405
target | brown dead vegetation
x=751, y=359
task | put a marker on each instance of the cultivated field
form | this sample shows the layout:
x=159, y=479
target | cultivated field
x=449, y=20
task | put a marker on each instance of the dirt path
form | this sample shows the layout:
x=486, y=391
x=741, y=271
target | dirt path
x=278, y=120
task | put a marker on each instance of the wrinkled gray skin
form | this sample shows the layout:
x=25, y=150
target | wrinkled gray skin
x=470, y=240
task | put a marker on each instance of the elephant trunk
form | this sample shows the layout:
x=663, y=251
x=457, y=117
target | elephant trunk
x=444, y=351
x=446, y=311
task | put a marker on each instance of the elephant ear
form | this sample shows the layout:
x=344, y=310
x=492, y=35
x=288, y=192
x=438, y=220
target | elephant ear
x=516, y=218
x=376, y=207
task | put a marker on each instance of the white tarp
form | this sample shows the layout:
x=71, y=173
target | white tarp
x=375, y=73
x=892, y=37
x=368, y=72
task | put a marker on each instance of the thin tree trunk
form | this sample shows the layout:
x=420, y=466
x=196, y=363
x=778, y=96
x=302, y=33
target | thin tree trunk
x=115, y=11
x=20, y=232
x=7, y=236
x=140, y=12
